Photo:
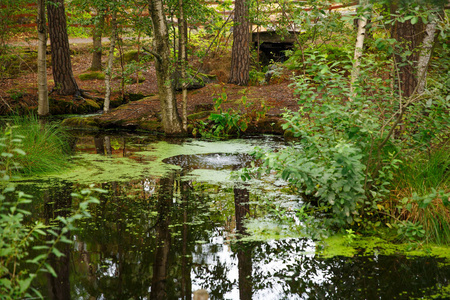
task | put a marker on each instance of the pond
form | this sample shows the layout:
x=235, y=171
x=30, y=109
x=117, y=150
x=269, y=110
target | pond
x=173, y=226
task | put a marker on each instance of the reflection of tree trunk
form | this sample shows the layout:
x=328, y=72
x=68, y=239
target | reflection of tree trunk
x=108, y=146
x=161, y=262
x=99, y=145
x=241, y=198
x=186, y=286
x=59, y=203
x=87, y=268
x=244, y=253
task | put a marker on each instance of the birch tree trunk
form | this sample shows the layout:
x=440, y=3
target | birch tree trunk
x=425, y=54
x=106, y=105
x=360, y=36
x=183, y=61
x=164, y=70
x=43, y=105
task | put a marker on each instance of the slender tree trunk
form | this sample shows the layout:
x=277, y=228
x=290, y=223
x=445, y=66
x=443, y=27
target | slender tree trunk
x=65, y=83
x=43, y=105
x=183, y=61
x=425, y=54
x=97, y=42
x=240, y=55
x=164, y=70
x=106, y=105
x=362, y=22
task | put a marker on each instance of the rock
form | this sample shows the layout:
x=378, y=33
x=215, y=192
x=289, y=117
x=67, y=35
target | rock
x=198, y=82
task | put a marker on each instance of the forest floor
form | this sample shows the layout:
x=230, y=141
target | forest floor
x=18, y=92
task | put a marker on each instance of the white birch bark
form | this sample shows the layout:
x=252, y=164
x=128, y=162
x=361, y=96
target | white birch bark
x=362, y=22
x=43, y=104
x=425, y=55
x=183, y=61
x=106, y=105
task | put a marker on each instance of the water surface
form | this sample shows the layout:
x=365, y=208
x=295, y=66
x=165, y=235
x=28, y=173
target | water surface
x=173, y=222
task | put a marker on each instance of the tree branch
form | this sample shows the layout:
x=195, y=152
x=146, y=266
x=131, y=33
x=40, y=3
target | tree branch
x=155, y=54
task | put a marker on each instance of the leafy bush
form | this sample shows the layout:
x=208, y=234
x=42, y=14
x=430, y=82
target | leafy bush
x=17, y=236
x=348, y=145
x=223, y=124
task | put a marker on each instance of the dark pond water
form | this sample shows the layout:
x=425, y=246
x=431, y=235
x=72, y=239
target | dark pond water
x=169, y=235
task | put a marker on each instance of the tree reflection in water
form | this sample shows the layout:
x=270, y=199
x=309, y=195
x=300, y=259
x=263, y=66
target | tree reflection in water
x=163, y=238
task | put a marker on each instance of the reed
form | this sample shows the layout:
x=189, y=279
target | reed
x=46, y=145
x=423, y=187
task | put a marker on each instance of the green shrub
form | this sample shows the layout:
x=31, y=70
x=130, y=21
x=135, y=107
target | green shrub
x=347, y=149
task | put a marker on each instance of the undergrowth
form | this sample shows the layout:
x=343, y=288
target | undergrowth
x=45, y=144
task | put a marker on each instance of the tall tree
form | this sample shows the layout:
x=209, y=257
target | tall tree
x=65, y=83
x=97, y=33
x=240, y=55
x=43, y=105
x=164, y=69
x=362, y=22
x=182, y=32
x=425, y=53
x=109, y=70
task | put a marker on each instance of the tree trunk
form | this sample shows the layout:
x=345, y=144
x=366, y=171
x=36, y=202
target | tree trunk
x=106, y=105
x=240, y=55
x=362, y=22
x=164, y=70
x=410, y=36
x=183, y=61
x=425, y=54
x=97, y=42
x=65, y=83
x=43, y=105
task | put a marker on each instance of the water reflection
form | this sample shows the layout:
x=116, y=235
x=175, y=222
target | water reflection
x=166, y=238
x=58, y=203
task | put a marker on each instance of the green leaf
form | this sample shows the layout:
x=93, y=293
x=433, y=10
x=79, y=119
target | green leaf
x=57, y=252
x=50, y=269
x=25, y=284
x=19, y=151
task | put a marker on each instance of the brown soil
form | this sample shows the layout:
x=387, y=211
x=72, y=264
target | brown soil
x=20, y=93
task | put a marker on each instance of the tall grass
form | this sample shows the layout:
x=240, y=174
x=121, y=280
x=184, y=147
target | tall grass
x=46, y=145
x=423, y=182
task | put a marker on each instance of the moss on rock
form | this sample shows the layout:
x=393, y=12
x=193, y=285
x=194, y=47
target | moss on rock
x=92, y=75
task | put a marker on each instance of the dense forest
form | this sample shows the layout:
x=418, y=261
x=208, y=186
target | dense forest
x=369, y=138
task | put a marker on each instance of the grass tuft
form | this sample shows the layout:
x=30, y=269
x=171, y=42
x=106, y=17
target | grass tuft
x=423, y=184
x=45, y=144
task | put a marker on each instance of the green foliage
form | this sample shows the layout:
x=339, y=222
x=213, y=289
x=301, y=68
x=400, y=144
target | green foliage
x=9, y=20
x=45, y=144
x=348, y=145
x=17, y=237
x=231, y=122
